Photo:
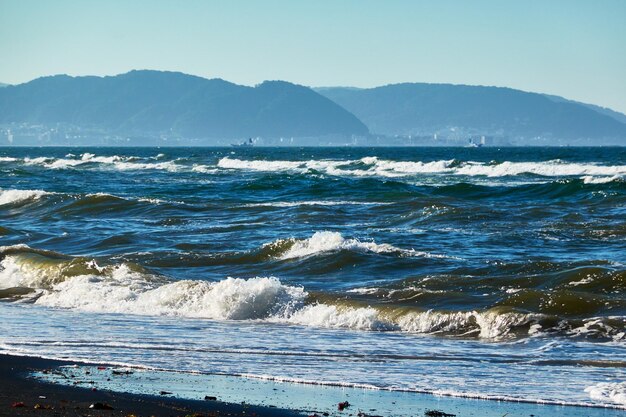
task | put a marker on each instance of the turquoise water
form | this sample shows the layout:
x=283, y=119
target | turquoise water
x=489, y=273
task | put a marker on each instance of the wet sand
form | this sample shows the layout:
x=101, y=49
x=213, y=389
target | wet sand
x=71, y=393
x=17, y=388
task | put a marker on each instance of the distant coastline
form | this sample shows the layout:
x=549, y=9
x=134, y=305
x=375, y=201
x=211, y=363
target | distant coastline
x=156, y=108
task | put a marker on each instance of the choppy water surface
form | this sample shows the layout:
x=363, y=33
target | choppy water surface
x=495, y=273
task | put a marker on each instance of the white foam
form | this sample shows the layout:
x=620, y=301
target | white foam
x=18, y=196
x=127, y=292
x=387, y=168
x=590, y=179
x=170, y=166
x=19, y=246
x=7, y=159
x=489, y=324
x=89, y=157
x=331, y=316
x=323, y=242
x=312, y=203
x=63, y=163
x=122, y=163
x=204, y=169
x=391, y=168
x=608, y=392
x=260, y=165
x=120, y=289
x=365, y=291
x=600, y=326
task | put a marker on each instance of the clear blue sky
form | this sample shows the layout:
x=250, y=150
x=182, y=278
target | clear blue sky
x=572, y=48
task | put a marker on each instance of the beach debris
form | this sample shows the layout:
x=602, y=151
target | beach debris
x=100, y=406
x=437, y=413
x=42, y=397
x=343, y=405
x=165, y=393
x=18, y=404
x=42, y=407
x=102, y=368
x=210, y=398
x=114, y=372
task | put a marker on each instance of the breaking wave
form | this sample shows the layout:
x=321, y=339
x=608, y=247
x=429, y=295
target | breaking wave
x=20, y=196
x=122, y=163
x=370, y=166
x=325, y=242
x=373, y=166
x=313, y=203
x=56, y=280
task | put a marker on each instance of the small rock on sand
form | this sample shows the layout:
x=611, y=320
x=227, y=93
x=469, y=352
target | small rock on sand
x=343, y=405
x=100, y=406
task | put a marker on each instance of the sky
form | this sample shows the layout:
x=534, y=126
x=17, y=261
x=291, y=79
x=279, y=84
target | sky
x=571, y=48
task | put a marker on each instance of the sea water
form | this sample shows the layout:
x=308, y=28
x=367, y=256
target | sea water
x=482, y=273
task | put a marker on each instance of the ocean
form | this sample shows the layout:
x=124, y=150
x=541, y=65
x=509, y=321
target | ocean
x=492, y=273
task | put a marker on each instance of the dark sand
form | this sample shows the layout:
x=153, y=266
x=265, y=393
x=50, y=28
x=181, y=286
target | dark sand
x=61, y=400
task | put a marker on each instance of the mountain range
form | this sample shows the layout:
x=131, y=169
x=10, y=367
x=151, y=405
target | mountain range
x=157, y=103
x=425, y=109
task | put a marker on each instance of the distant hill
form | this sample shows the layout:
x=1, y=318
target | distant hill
x=405, y=109
x=154, y=102
x=620, y=117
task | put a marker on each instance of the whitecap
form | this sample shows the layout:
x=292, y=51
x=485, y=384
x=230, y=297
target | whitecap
x=19, y=196
x=590, y=179
x=323, y=242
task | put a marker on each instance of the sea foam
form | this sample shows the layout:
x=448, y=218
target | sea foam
x=373, y=166
x=326, y=241
x=611, y=392
x=20, y=196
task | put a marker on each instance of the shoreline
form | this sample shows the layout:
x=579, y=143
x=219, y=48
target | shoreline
x=133, y=396
x=66, y=400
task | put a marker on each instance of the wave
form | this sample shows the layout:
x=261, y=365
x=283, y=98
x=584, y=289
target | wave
x=122, y=163
x=325, y=242
x=20, y=196
x=56, y=280
x=314, y=203
x=91, y=202
x=373, y=166
x=82, y=284
x=590, y=179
